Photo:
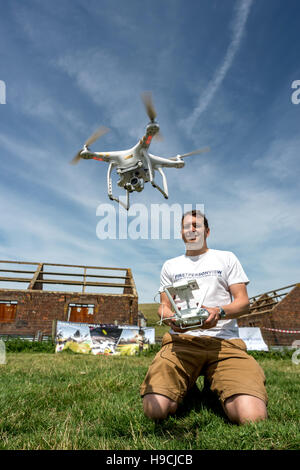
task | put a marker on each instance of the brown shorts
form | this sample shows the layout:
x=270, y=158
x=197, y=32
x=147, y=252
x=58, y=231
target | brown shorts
x=225, y=364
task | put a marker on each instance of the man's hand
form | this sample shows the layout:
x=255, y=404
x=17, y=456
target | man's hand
x=167, y=313
x=210, y=322
x=213, y=318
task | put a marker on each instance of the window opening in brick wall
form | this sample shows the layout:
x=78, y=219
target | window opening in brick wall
x=81, y=313
x=8, y=311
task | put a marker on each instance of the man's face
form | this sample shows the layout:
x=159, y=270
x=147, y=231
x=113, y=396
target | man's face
x=193, y=232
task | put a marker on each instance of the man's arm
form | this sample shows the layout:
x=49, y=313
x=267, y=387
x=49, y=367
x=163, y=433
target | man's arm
x=238, y=307
x=165, y=307
x=240, y=304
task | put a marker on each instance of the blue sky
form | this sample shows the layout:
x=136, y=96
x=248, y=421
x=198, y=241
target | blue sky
x=220, y=73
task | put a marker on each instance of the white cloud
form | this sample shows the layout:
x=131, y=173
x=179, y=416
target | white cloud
x=281, y=161
x=108, y=84
x=238, y=28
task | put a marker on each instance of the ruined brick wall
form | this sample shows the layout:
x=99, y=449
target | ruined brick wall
x=284, y=316
x=36, y=310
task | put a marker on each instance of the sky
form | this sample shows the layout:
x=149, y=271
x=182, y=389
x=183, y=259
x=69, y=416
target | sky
x=221, y=75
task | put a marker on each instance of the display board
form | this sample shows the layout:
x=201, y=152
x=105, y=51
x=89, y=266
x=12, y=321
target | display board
x=107, y=339
x=253, y=338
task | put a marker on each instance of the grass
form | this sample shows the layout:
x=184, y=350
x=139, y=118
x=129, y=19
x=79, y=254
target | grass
x=68, y=401
x=150, y=312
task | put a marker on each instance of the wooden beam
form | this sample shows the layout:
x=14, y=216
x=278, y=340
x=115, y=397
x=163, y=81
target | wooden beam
x=84, y=280
x=35, y=277
x=16, y=279
x=19, y=271
x=81, y=274
x=83, y=266
x=81, y=283
x=18, y=262
x=59, y=281
x=65, y=265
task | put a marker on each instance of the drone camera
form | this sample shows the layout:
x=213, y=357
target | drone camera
x=137, y=184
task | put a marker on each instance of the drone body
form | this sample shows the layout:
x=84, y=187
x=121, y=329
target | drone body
x=135, y=166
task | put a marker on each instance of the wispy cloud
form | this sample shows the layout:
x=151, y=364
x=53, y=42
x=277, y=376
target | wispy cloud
x=238, y=28
x=281, y=160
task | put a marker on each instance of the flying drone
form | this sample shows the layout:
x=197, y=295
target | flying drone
x=135, y=166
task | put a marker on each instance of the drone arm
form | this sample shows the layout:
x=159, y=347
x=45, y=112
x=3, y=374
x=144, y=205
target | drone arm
x=166, y=162
x=105, y=157
x=149, y=164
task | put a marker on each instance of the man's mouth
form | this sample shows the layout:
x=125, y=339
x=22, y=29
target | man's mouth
x=192, y=235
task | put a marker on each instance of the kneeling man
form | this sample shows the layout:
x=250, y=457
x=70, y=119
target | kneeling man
x=214, y=350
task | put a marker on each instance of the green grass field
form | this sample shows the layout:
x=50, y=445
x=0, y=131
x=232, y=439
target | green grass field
x=150, y=312
x=73, y=401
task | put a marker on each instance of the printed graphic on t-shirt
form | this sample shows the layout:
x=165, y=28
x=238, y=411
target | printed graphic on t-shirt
x=214, y=272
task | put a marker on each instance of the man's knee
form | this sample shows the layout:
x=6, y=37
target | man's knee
x=158, y=406
x=242, y=409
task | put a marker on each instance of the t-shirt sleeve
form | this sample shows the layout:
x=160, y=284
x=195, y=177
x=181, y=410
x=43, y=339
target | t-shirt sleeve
x=165, y=277
x=235, y=273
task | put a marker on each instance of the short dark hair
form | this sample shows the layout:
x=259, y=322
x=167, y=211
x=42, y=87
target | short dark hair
x=196, y=213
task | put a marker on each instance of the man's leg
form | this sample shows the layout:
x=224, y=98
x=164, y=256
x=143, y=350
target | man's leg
x=238, y=380
x=158, y=406
x=242, y=409
x=173, y=371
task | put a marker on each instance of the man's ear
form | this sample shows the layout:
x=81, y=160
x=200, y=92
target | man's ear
x=207, y=231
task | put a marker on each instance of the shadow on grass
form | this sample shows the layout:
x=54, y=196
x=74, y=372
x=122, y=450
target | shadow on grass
x=199, y=399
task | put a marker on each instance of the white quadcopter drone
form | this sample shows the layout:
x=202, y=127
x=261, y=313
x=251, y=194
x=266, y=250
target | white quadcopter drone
x=136, y=165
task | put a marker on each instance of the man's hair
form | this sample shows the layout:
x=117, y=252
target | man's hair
x=196, y=213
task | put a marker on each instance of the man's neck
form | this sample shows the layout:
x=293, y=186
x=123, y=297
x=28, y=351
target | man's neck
x=201, y=251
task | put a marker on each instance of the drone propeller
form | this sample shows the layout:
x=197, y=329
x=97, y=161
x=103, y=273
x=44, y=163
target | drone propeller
x=158, y=136
x=148, y=103
x=101, y=131
x=195, y=152
x=151, y=112
x=95, y=136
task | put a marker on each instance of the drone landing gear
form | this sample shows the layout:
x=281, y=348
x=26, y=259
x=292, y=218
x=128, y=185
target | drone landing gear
x=109, y=190
x=164, y=191
x=165, y=186
x=125, y=205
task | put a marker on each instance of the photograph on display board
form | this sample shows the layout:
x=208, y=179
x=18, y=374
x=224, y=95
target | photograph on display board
x=103, y=339
x=73, y=336
x=133, y=341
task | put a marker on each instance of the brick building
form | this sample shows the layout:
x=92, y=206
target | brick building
x=86, y=294
x=277, y=314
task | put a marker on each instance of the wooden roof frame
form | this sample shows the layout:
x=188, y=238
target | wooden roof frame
x=36, y=281
x=265, y=302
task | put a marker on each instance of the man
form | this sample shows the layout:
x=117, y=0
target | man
x=214, y=350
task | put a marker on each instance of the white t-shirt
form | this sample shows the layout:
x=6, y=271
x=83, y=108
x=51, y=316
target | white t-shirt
x=215, y=271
